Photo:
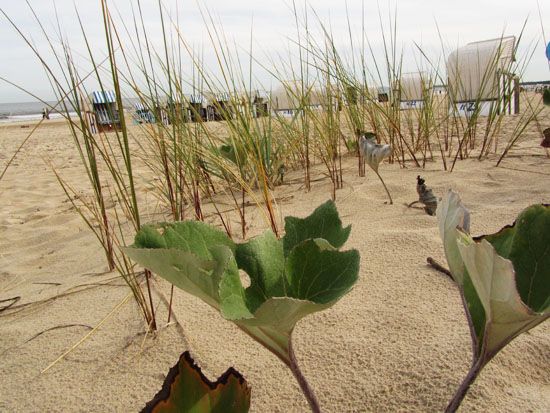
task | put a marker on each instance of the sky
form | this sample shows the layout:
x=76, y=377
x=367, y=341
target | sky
x=437, y=26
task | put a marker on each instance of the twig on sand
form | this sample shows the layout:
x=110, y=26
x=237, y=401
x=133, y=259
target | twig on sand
x=57, y=328
x=439, y=267
x=83, y=339
x=45, y=331
x=13, y=301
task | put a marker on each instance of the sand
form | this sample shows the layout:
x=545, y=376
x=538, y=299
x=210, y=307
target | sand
x=399, y=341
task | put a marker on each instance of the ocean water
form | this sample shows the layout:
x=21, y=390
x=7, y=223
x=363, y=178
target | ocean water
x=25, y=111
x=32, y=111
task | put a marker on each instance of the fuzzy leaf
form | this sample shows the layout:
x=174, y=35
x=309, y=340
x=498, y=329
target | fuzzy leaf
x=495, y=283
x=323, y=223
x=451, y=214
x=289, y=278
x=262, y=258
x=373, y=152
x=315, y=279
x=191, y=236
x=496, y=273
x=186, y=389
x=191, y=255
x=527, y=245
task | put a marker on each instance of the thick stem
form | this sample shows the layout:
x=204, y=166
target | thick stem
x=439, y=267
x=304, y=385
x=465, y=386
x=388, y=192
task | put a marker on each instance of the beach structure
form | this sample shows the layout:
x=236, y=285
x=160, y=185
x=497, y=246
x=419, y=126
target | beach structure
x=105, y=109
x=219, y=106
x=412, y=90
x=380, y=94
x=196, y=108
x=440, y=90
x=481, y=80
x=178, y=108
x=88, y=115
x=260, y=104
x=290, y=96
x=143, y=114
x=537, y=86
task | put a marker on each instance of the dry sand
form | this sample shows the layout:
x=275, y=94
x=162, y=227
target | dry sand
x=398, y=342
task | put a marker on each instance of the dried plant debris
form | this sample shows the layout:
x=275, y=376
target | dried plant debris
x=546, y=140
x=187, y=389
x=425, y=197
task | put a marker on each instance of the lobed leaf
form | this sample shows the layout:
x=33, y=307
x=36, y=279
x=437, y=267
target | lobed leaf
x=527, y=244
x=494, y=281
x=315, y=279
x=452, y=216
x=191, y=255
x=323, y=223
x=504, y=277
x=186, y=389
x=289, y=278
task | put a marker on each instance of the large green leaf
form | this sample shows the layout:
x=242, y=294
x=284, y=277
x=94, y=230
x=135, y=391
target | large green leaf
x=323, y=223
x=314, y=279
x=505, y=277
x=527, y=244
x=494, y=280
x=191, y=255
x=192, y=236
x=187, y=390
x=452, y=216
x=289, y=279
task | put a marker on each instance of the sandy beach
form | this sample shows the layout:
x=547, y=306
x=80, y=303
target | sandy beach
x=399, y=341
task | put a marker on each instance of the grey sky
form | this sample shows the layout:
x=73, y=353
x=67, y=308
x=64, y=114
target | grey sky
x=459, y=22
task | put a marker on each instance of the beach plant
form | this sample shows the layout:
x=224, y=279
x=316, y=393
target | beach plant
x=299, y=274
x=374, y=153
x=504, y=279
x=546, y=96
x=107, y=161
x=187, y=389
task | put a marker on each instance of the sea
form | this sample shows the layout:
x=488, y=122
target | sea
x=27, y=111
x=32, y=111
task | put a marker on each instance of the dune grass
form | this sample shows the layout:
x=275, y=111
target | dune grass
x=193, y=164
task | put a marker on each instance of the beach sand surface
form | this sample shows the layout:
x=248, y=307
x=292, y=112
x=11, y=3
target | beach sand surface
x=398, y=342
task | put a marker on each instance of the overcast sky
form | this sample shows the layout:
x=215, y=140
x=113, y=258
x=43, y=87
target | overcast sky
x=420, y=21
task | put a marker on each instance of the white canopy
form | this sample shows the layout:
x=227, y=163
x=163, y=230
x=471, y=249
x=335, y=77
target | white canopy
x=474, y=69
x=413, y=86
x=287, y=96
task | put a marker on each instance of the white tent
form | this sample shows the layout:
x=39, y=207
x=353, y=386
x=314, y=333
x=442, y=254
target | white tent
x=287, y=96
x=481, y=71
x=413, y=88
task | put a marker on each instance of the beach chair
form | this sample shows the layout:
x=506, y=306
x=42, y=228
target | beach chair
x=480, y=78
x=143, y=114
x=105, y=108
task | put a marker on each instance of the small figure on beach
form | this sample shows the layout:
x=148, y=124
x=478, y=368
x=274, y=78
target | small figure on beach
x=45, y=114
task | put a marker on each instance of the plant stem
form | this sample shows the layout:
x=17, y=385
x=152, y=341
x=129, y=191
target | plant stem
x=152, y=321
x=388, y=192
x=465, y=386
x=304, y=385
